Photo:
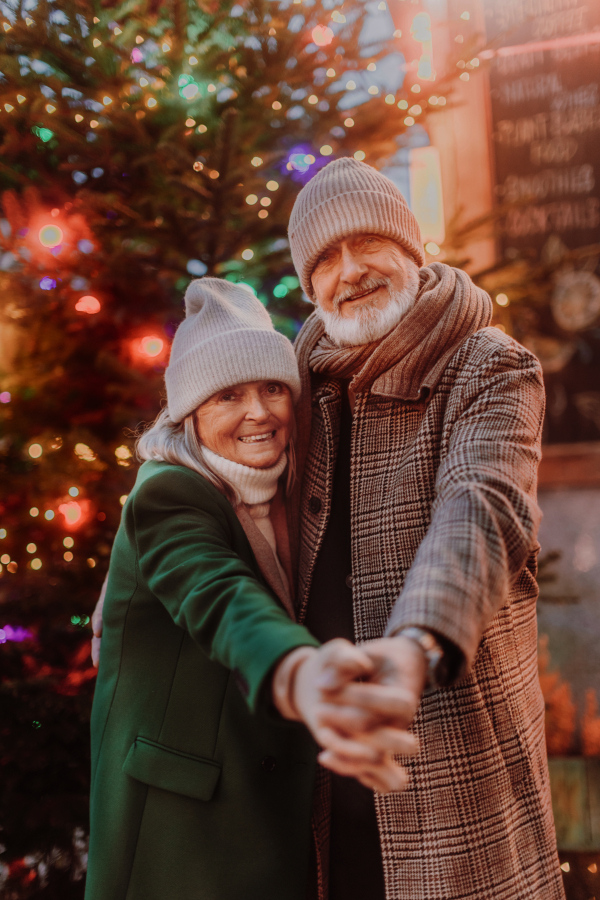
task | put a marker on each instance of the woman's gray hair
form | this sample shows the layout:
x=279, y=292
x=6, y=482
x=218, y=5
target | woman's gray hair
x=179, y=444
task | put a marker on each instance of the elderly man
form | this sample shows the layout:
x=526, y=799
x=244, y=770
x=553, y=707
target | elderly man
x=419, y=445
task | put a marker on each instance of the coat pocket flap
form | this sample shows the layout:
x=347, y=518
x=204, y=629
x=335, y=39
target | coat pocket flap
x=172, y=770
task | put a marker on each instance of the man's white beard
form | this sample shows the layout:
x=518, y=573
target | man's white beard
x=369, y=323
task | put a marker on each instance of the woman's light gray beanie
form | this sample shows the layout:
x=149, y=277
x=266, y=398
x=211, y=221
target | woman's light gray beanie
x=226, y=338
x=348, y=197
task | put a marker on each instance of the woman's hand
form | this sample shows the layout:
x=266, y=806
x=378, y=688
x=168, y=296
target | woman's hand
x=354, y=729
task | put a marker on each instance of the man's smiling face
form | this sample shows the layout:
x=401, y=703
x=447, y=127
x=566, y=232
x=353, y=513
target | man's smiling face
x=363, y=285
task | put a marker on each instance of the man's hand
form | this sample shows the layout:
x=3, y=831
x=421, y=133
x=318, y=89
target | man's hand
x=357, y=723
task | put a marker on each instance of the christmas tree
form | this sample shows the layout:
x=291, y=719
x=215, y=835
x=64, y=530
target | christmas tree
x=142, y=144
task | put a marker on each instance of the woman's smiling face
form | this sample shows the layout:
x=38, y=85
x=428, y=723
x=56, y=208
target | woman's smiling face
x=248, y=423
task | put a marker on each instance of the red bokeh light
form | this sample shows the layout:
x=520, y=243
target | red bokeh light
x=75, y=513
x=50, y=236
x=88, y=304
x=151, y=346
x=322, y=35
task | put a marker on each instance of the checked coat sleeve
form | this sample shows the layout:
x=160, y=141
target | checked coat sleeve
x=485, y=517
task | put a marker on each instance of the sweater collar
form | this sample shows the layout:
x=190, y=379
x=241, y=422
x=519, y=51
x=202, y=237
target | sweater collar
x=253, y=485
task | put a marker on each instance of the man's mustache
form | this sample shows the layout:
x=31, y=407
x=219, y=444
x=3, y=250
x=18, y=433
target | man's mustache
x=367, y=284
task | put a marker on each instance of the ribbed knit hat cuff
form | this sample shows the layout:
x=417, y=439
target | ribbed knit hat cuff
x=251, y=355
x=341, y=216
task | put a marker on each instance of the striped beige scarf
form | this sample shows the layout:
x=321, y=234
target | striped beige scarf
x=448, y=309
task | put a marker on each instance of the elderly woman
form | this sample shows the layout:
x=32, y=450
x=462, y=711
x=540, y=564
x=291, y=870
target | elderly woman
x=202, y=773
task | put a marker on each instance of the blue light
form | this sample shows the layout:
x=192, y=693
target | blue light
x=47, y=283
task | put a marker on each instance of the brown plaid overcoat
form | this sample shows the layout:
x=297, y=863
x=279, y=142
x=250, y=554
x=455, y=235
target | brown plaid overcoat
x=444, y=522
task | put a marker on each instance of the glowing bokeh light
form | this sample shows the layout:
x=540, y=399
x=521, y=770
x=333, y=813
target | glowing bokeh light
x=322, y=35
x=151, y=345
x=35, y=451
x=88, y=304
x=5, y=397
x=71, y=511
x=47, y=283
x=50, y=236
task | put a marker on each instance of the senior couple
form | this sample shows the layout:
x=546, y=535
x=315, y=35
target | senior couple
x=318, y=668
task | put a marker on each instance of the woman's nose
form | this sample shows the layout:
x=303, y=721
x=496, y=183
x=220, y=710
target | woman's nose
x=257, y=410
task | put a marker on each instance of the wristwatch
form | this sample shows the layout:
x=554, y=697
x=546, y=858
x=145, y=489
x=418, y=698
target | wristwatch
x=434, y=653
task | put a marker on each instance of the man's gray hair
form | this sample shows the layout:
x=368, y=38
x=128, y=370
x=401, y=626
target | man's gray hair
x=179, y=444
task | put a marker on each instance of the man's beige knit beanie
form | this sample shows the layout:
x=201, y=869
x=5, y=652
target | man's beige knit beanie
x=226, y=338
x=348, y=197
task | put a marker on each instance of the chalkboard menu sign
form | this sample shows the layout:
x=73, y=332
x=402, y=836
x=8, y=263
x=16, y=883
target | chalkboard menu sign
x=545, y=105
x=546, y=121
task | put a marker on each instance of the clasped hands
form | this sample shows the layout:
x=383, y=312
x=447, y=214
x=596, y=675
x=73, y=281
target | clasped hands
x=358, y=702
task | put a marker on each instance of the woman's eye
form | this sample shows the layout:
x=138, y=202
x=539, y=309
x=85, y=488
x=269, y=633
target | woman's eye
x=227, y=397
x=274, y=389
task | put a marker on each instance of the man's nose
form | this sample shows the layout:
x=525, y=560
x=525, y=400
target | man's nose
x=352, y=268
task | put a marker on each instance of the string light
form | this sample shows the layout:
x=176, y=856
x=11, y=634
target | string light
x=313, y=99
x=151, y=102
x=49, y=515
x=415, y=110
x=263, y=214
x=21, y=98
x=348, y=122
x=190, y=123
x=5, y=397
x=409, y=121
x=371, y=67
x=390, y=99
x=94, y=123
x=123, y=499
x=465, y=15
x=197, y=167
x=502, y=300
x=8, y=107
x=193, y=61
x=432, y=248
x=78, y=117
x=35, y=451
x=68, y=542
x=416, y=88
x=330, y=73
x=265, y=201
x=68, y=556
x=73, y=492
x=247, y=254
x=360, y=155
x=96, y=42
x=36, y=563
x=464, y=76
x=34, y=512
x=251, y=199
x=272, y=185
x=49, y=108
x=326, y=150
x=31, y=548
x=201, y=129
x=256, y=161
x=276, y=104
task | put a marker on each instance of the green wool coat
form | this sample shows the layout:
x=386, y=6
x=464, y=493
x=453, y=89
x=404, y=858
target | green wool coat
x=200, y=791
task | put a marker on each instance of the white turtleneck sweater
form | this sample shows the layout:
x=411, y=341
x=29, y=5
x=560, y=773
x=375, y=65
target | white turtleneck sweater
x=256, y=487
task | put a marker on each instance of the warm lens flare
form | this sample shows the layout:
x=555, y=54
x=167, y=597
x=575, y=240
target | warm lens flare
x=322, y=35
x=88, y=305
x=50, y=236
x=151, y=346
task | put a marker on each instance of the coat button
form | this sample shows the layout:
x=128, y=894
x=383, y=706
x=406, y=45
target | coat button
x=314, y=504
x=349, y=581
x=268, y=764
